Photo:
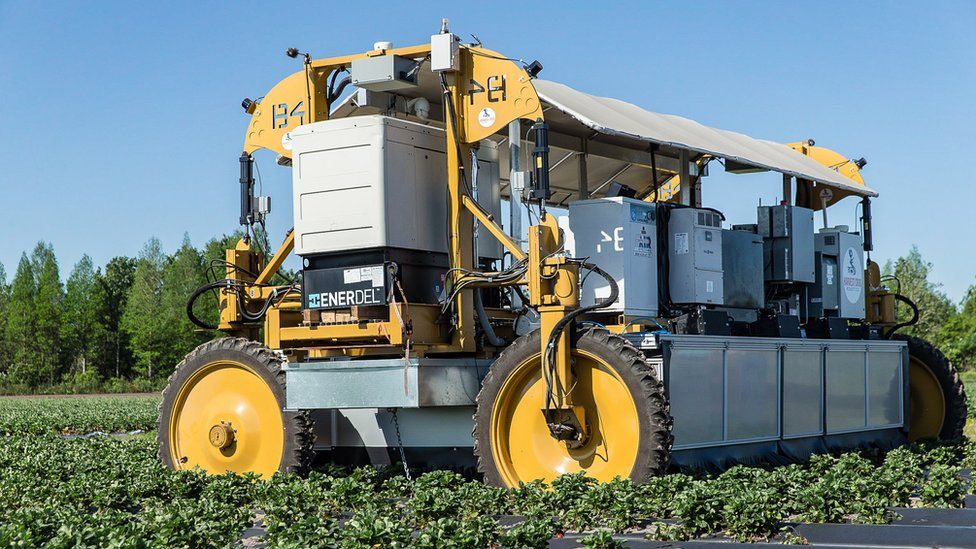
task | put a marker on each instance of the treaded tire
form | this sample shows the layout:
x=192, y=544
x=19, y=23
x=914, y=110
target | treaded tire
x=653, y=408
x=952, y=387
x=297, y=453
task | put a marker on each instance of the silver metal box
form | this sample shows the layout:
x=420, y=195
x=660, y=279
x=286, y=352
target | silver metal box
x=840, y=278
x=695, y=257
x=374, y=181
x=618, y=234
x=383, y=383
x=787, y=233
x=742, y=269
x=384, y=73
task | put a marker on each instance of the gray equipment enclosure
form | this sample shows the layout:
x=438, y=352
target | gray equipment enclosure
x=724, y=391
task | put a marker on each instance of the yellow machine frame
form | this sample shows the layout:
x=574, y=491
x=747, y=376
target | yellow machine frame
x=485, y=79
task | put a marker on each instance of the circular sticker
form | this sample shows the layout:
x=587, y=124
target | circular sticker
x=486, y=117
x=853, y=279
x=286, y=141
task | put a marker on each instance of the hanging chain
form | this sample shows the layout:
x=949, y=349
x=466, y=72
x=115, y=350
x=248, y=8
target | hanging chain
x=403, y=454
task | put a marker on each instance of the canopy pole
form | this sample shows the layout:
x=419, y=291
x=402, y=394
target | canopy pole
x=787, y=189
x=583, y=183
x=684, y=178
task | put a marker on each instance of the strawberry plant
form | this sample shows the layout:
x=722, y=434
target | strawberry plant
x=111, y=491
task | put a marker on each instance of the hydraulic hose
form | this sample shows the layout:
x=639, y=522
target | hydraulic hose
x=913, y=321
x=193, y=298
x=485, y=322
x=571, y=316
x=238, y=289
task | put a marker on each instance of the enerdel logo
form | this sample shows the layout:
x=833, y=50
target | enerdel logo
x=346, y=298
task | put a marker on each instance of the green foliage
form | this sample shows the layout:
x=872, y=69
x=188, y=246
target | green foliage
x=126, y=322
x=943, y=487
x=21, y=323
x=48, y=303
x=601, y=539
x=105, y=491
x=113, y=492
x=182, y=274
x=912, y=275
x=84, y=304
x=145, y=320
x=5, y=355
x=116, y=358
x=77, y=415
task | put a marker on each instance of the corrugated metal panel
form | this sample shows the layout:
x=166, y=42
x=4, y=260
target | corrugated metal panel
x=622, y=119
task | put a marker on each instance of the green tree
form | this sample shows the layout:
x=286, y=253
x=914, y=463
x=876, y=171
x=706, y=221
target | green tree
x=48, y=304
x=144, y=319
x=182, y=275
x=83, y=332
x=116, y=284
x=5, y=355
x=911, y=274
x=958, y=337
x=21, y=324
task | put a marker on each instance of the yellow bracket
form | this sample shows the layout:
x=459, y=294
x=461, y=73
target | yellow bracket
x=488, y=221
x=554, y=290
x=279, y=258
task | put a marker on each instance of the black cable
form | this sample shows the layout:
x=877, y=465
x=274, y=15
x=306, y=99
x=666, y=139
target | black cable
x=549, y=362
x=196, y=295
x=334, y=94
x=912, y=322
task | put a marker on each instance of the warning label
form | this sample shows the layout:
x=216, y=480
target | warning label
x=853, y=276
x=642, y=244
x=680, y=243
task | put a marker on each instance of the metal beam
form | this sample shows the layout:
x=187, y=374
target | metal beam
x=684, y=179
x=583, y=184
x=515, y=194
x=612, y=177
x=615, y=152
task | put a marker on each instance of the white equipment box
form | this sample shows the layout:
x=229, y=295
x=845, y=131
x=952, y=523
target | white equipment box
x=618, y=234
x=695, y=257
x=379, y=182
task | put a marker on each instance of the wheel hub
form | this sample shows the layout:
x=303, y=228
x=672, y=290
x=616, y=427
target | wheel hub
x=221, y=436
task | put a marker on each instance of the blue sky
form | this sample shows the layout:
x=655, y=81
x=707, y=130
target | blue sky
x=120, y=121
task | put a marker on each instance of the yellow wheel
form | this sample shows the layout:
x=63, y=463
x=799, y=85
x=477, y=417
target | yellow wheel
x=936, y=395
x=222, y=410
x=626, y=413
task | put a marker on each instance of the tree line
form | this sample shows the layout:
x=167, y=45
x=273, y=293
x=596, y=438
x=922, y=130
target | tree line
x=123, y=326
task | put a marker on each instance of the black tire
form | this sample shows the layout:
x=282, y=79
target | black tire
x=653, y=408
x=952, y=387
x=298, y=440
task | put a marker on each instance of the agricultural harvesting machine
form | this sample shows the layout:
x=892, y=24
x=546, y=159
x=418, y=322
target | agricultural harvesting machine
x=614, y=325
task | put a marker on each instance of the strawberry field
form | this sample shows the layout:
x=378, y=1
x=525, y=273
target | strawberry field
x=110, y=491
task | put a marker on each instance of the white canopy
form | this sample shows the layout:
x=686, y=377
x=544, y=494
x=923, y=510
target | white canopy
x=617, y=118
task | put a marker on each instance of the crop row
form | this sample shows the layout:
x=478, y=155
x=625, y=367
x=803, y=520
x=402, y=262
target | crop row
x=112, y=492
x=77, y=415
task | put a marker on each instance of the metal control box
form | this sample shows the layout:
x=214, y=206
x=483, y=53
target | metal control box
x=620, y=235
x=378, y=182
x=742, y=269
x=840, y=275
x=384, y=73
x=695, y=257
x=787, y=233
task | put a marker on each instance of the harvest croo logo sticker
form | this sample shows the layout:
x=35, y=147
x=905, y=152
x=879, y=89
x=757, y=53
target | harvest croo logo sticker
x=853, y=279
